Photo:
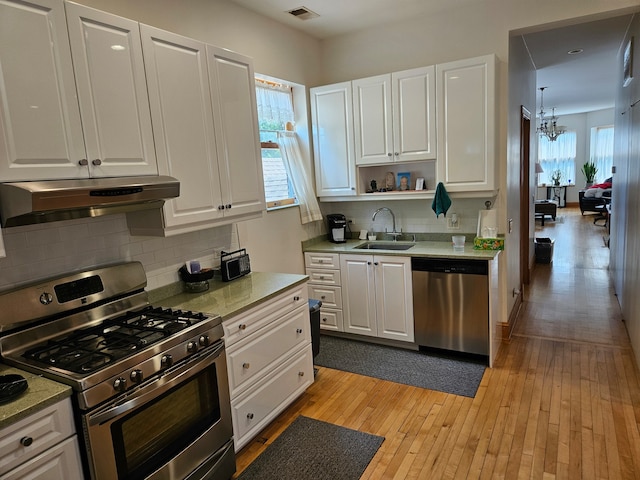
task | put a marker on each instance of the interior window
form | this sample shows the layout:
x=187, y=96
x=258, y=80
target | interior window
x=275, y=114
x=557, y=159
x=602, y=151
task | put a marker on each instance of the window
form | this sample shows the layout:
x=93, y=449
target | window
x=275, y=113
x=602, y=151
x=559, y=155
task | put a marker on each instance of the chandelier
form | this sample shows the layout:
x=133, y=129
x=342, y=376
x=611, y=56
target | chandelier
x=548, y=125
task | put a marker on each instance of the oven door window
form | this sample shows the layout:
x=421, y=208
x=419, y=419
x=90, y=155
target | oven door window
x=145, y=439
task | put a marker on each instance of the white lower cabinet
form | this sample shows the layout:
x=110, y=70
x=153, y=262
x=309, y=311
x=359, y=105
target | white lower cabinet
x=377, y=296
x=269, y=360
x=324, y=285
x=43, y=445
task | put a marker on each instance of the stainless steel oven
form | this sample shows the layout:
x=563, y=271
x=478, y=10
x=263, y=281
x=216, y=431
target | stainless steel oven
x=151, y=387
x=183, y=416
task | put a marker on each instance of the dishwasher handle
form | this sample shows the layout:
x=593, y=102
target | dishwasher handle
x=447, y=265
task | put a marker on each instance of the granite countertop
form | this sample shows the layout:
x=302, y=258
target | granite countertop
x=437, y=249
x=228, y=299
x=40, y=393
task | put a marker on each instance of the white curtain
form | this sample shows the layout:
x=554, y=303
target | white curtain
x=558, y=155
x=602, y=151
x=274, y=103
x=300, y=174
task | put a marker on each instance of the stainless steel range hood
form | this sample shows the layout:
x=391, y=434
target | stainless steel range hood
x=24, y=203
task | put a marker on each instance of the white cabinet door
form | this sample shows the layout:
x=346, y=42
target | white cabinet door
x=40, y=129
x=334, y=157
x=394, y=297
x=466, y=124
x=359, y=302
x=182, y=117
x=112, y=91
x=414, y=114
x=378, y=297
x=233, y=94
x=373, y=120
x=395, y=117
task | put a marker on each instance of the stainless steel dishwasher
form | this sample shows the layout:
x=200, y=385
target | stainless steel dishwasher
x=451, y=304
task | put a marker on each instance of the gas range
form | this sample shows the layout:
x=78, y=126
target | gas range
x=102, y=340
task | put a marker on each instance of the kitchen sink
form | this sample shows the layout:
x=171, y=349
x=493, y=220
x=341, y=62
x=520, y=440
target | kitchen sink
x=384, y=246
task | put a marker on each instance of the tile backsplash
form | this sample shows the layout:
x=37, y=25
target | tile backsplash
x=40, y=251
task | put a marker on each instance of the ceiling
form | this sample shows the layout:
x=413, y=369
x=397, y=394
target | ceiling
x=575, y=83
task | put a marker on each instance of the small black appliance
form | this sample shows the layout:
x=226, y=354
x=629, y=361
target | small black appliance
x=337, y=224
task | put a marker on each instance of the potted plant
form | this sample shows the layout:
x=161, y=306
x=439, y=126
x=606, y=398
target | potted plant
x=556, y=176
x=589, y=170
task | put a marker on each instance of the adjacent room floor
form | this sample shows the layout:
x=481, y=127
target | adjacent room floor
x=563, y=400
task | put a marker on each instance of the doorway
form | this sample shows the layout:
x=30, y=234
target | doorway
x=525, y=195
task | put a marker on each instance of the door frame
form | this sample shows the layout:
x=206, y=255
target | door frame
x=525, y=194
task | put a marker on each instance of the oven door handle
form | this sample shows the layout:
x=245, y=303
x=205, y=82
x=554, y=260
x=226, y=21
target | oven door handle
x=156, y=386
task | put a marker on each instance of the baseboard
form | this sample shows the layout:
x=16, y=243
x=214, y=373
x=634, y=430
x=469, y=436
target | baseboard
x=507, y=328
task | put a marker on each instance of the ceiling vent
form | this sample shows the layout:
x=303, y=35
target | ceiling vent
x=303, y=13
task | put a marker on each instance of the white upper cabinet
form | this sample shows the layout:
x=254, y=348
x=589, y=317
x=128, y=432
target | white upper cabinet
x=394, y=117
x=40, y=130
x=112, y=92
x=64, y=119
x=233, y=93
x=334, y=158
x=414, y=114
x=466, y=124
x=182, y=116
x=206, y=133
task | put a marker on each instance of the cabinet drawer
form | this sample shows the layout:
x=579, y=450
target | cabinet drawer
x=331, y=319
x=331, y=297
x=252, y=358
x=319, y=276
x=61, y=461
x=46, y=427
x=249, y=322
x=321, y=260
x=252, y=411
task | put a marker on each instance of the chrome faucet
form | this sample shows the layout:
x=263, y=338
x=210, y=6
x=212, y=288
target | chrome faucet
x=393, y=233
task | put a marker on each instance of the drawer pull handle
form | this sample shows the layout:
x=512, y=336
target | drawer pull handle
x=320, y=261
x=323, y=297
x=26, y=441
x=246, y=365
x=242, y=326
x=299, y=330
x=250, y=416
x=324, y=319
x=321, y=277
x=301, y=374
x=296, y=298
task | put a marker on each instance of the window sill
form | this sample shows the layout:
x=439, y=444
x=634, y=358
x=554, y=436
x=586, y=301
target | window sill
x=281, y=207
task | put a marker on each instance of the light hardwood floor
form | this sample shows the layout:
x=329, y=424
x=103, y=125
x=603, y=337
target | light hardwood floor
x=563, y=400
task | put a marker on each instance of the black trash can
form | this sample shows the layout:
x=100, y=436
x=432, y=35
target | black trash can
x=314, y=315
x=544, y=250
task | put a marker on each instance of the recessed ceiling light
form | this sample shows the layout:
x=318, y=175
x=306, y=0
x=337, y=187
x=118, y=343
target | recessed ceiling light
x=575, y=51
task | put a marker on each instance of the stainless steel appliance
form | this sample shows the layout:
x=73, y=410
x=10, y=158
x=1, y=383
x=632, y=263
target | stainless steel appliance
x=451, y=304
x=24, y=203
x=337, y=226
x=150, y=384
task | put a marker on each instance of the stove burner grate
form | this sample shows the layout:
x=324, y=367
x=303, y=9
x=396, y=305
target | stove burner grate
x=88, y=350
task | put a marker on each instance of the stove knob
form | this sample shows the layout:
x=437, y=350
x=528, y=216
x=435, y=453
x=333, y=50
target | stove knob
x=46, y=298
x=120, y=384
x=192, y=347
x=204, y=340
x=136, y=376
x=166, y=361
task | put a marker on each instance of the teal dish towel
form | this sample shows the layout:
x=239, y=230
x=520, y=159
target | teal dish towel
x=441, y=201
